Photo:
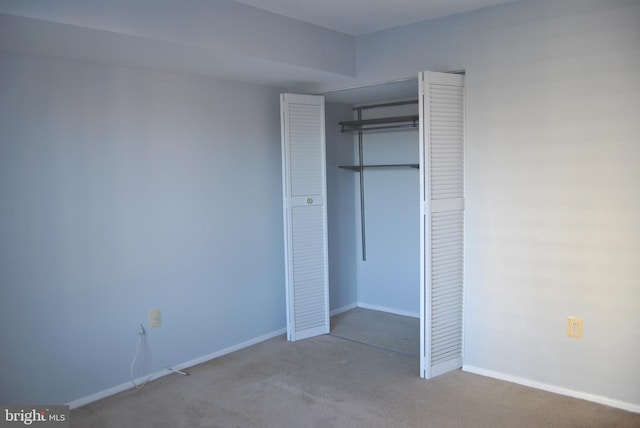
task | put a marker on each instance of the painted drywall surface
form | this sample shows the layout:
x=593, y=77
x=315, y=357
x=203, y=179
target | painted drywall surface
x=341, y=209
x=552, y=224
x=28, y=36
x=390, y=276
x=124, y=191
x=223, y=27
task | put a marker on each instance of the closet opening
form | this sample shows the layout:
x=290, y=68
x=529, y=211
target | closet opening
x=365, y=231
x=372, y=169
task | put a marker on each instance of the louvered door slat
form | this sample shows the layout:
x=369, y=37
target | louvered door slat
x=442, y=173
x=304, y=187
x=304, y=130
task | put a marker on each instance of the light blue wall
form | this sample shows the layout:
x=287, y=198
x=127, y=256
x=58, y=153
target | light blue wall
x=123, y=191
x=552, y=224
x=341, y=209
x=390, y=277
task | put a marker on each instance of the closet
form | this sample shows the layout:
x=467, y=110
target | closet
x=373, y=197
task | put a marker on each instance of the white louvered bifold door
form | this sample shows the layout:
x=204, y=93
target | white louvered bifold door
x=442, y=221
x=305, y=215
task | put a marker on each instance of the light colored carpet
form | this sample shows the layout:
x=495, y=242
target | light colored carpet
x=328, y=382
x=381, y=329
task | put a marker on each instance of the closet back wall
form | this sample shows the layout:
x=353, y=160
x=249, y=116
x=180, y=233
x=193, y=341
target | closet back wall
x=341, y=210
x=125, y=190
x=389, y=279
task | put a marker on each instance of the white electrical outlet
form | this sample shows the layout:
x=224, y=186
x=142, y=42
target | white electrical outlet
x=574, y=327
x=155, y=318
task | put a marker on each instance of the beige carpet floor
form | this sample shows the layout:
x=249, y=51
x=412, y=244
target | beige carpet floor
x=329, y=381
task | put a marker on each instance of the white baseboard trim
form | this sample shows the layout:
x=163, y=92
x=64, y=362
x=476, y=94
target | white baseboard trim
x=343, y=309
x=389, y=310
x=163, y=372
x=553, y=388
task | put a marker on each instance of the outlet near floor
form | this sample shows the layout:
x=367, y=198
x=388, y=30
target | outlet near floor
x=574, y=327
x=155, y=319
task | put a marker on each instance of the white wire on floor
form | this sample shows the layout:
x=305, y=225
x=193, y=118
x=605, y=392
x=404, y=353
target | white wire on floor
x=135, y=357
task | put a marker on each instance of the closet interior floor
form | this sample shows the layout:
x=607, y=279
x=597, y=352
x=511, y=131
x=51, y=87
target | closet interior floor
x=380, y=329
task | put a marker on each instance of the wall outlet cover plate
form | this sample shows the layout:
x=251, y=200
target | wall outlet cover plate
x=574, y=327
x=155, y=318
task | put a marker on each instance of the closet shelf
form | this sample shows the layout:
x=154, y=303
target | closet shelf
x=380, y=123
x=359, y=168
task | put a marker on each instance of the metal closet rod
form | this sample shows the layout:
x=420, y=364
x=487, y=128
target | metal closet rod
x=391, y=104
x=380, y=123
x=378, y=128
x=365, y=124
x=388, y=165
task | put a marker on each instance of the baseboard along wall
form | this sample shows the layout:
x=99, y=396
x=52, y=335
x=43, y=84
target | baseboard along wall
x=388, y=310
x=553, y=388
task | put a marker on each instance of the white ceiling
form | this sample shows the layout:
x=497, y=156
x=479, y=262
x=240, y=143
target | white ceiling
x=358, y=17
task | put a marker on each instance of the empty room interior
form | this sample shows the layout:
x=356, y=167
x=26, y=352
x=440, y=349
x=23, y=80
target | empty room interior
x=149, y=226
